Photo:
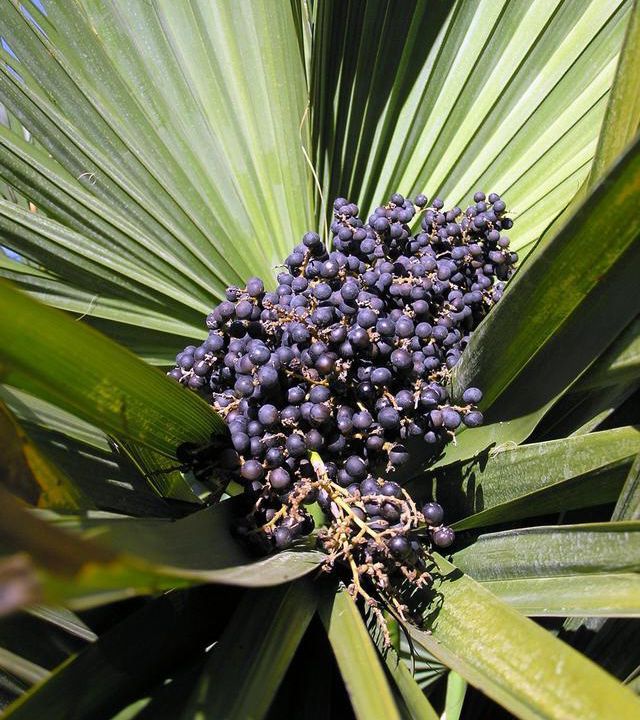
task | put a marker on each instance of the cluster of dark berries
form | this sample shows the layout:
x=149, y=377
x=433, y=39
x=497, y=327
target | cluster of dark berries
x=350, y=356
x=377, y=532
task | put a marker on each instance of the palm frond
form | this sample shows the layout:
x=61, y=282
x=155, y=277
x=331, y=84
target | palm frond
x=560, y=289
x=152, y=154
x=506, y=96
x=530, y=683
x=115, y=390
x=158, y=162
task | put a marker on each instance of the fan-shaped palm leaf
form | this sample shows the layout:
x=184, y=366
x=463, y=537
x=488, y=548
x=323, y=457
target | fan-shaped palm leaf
x=152, y=153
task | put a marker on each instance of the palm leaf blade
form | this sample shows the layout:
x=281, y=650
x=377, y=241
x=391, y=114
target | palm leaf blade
x=623, y=110
x=248, y=664
x=523, y=667
x=533, y=479
x=628, y=505
x=600, y=594
x=561, y=318
x=357, y=658
x=504, y=95
x=115, y=390
x=554, y=550
x=193, y=176
x=185, y=626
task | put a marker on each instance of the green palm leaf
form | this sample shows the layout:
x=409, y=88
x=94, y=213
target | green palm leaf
x=115, y=389
x=30, y=475
x=553, y=550
x=356, y=656
x=242, y=674
x=534, y=479
x=153, y=153
x=410, y=690
x=156, y=653
x=593, y=595
x=611, y=380
x=524, y=367
x=170, y=182
x=456, y=689
x=87, y=457
x=148, y=332
x=523, y=667
x=628, y=505
x=623, y=110
x=508, y=96
x=121, y=557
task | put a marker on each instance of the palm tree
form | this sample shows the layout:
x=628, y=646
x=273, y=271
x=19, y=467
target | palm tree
x=153, y=153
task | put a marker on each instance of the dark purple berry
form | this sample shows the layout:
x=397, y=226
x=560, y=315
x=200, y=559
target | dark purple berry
x=433, y=513
x=443, y=537
x=399, y=546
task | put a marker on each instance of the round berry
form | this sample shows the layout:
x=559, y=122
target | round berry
x=433, y=513
x=252, y=470
x=392, y=489
x=356, y=467
x=282, y=537
x=472, y=396
x=473, y=419
x=399, y=546
x=443, y=537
